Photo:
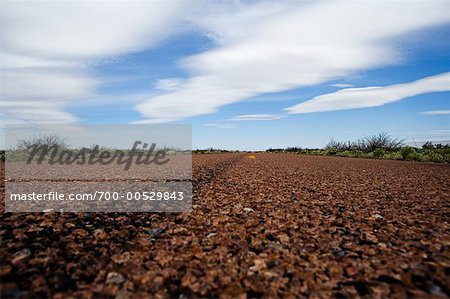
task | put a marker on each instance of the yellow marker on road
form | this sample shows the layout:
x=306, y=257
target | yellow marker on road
x=252, y=157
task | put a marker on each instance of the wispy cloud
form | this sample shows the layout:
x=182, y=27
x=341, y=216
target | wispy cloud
x=341, y=85
x=435, y=112
x=153, y=121
x=168, y=84
x=440, y=132
x=352, y=98
x=47, y=53
x=256, y=117
x=39, y=94
x=268, y=47
x=220, y=126
x=260, y=47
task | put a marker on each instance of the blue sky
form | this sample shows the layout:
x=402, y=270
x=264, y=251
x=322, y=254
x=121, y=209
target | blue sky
x=246, y=75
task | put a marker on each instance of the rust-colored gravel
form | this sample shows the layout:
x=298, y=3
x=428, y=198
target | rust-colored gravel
x=280, y=225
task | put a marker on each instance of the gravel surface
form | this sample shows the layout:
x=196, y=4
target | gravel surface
x=279, y=225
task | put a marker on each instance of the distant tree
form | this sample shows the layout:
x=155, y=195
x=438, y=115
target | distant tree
x=383, y=141
x=368, y=144
x=50, y=140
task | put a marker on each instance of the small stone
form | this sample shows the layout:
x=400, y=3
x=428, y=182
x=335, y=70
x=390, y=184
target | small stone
x=258, y=265
x=377, y=216
x=100, y=234
x=47, y=210
x=21, y=256
x=6, y=269
x=435, y=289
x=248, y=209
x=121, y=258
x=351, y=271
x=154, y=232
x=372, y=238
x=371, y=251
x=340, y=253
x=382, y=245
x=284, y=238
x=114, y=278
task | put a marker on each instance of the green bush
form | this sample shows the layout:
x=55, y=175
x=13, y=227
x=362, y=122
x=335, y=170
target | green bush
x=15, y=155
x=407, y=153
x=379, y=153
x=332, y=151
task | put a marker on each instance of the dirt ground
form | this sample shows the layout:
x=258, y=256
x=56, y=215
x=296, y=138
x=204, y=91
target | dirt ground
x=279, y=225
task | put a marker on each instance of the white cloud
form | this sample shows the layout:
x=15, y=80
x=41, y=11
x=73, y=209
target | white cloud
x=153, y=121
x=435, y=112
x=168, y=84
x=48, y=47
x=271, y=47
x=352, y=98
x=226, y=126
x=37, y=111
x=341, y=85
x=45, y=83
x=220, y=126
x=261, y=47
x=256, y=117
x=85, y=29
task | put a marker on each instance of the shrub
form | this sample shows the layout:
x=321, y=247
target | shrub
x=382, y=141
x=293, y=149
x=333, y=144
x=379, y=152
x=378, y=146
x=332, y=151
x=368, y=144
x=428, y=145
x=42, y=140
x=407, y=153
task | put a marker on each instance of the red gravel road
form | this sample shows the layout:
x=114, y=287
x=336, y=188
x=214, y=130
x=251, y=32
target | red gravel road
x=280, y=225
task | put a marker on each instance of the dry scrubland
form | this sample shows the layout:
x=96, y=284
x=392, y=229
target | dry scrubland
x=278, y=225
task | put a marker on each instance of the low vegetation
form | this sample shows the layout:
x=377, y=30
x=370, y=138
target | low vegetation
x=211, y=151
x=53, y=145
x=381, y=146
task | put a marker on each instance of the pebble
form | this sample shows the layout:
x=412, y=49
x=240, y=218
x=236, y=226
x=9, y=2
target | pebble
x=100, y=234
x=21, y=256
x=377, y=216
x=114, y=278
x=154, y=232
x=351, y=271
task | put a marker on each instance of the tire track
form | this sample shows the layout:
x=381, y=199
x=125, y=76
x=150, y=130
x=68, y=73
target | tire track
x=207, y=173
